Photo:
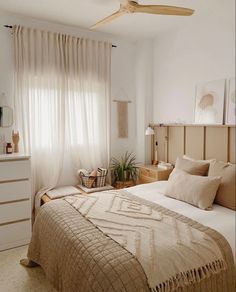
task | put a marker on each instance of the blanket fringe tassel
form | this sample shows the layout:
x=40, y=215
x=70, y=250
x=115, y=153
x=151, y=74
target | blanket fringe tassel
x=187, y=278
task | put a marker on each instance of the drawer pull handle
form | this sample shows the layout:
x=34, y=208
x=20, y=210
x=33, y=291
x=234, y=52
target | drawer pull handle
x=13, y=201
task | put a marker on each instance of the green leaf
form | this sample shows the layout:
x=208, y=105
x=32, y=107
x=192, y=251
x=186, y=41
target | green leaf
x=125, y=167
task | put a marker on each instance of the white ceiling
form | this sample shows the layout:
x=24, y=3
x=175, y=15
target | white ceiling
x=84, y=13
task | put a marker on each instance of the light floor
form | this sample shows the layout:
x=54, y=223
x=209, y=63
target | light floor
x=16, y=278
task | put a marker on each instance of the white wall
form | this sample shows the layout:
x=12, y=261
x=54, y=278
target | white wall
x=204, y=50
x=123, y=72
x=6, y=73
x=144, y=97
x=123, y=88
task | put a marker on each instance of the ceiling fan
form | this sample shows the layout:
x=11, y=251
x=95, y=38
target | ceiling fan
x=128, y=6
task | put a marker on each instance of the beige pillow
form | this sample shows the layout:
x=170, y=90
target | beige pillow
x=199, y=191
x=225, y=195
x=199, y=160
x=194, y=167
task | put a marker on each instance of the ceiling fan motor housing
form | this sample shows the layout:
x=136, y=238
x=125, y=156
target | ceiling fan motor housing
x=128, y=6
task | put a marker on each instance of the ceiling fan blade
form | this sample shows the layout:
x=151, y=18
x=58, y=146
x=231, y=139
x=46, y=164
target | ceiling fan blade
x=162, y=9
x=108, y=19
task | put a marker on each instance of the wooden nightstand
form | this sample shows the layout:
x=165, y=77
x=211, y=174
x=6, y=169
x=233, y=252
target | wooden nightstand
x=151, y=173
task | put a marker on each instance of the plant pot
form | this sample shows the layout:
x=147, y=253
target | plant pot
x=124, y=184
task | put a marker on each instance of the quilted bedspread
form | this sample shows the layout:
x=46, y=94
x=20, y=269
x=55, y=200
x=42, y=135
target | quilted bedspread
x=90, y=243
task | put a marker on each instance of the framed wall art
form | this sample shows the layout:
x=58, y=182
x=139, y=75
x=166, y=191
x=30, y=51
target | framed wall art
x=209, y=104
x=230, y=116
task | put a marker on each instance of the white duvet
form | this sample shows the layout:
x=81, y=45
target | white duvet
x=219, y=218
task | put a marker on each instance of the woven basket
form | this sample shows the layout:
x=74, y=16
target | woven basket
x=92, y=181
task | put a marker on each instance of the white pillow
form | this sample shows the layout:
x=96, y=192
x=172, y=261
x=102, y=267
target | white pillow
x=199, y=191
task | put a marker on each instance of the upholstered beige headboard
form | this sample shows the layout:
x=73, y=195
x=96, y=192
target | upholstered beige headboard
x=196, y=141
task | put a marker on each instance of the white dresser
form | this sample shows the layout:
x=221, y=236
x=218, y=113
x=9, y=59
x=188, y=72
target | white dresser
x=15, y=200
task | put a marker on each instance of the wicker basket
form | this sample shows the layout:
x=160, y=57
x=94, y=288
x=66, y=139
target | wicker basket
x=92, y=181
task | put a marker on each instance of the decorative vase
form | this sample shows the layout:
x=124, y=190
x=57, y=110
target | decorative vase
x=15, y=140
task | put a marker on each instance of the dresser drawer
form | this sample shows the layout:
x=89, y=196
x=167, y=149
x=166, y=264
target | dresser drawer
x=148, y=173
x=14, y=170
x=15, y=234
x=15, y=211
x=15, y=191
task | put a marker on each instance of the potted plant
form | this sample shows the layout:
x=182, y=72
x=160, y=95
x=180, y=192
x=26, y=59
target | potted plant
x=124, y=169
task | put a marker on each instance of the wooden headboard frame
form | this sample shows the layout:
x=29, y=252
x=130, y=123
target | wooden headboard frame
x=196, y=141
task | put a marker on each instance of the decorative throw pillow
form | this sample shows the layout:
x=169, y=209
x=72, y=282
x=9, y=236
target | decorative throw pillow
x=199, y=191
x=199, y=160
x=225, y=195
x=193, y=167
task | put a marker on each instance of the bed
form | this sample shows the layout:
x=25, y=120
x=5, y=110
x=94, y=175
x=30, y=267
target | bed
x=221, y=219
x=81, y=250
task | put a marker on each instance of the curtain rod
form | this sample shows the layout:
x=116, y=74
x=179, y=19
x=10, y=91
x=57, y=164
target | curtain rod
x=10, y=26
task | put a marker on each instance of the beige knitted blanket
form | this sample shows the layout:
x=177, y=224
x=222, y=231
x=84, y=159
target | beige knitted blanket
x=77, y=257
x=174, y=251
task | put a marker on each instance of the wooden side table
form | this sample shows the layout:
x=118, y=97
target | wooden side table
x=152, y=173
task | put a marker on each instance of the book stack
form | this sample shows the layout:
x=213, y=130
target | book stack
x=101, y=177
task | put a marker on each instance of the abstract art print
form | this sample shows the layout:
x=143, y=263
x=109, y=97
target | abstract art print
x=209, y=107
x=231, y=103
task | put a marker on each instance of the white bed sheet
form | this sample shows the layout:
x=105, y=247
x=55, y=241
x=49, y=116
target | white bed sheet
x=220, y=218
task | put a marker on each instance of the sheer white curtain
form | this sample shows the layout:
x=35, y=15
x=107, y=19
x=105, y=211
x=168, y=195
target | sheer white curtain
x=62, y=102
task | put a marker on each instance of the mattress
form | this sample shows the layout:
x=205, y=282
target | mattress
x=219, y=218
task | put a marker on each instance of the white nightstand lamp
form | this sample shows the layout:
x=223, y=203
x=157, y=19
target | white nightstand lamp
x=150, y=132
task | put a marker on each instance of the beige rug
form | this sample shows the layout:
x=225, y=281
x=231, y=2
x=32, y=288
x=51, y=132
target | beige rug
x=15, y=278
